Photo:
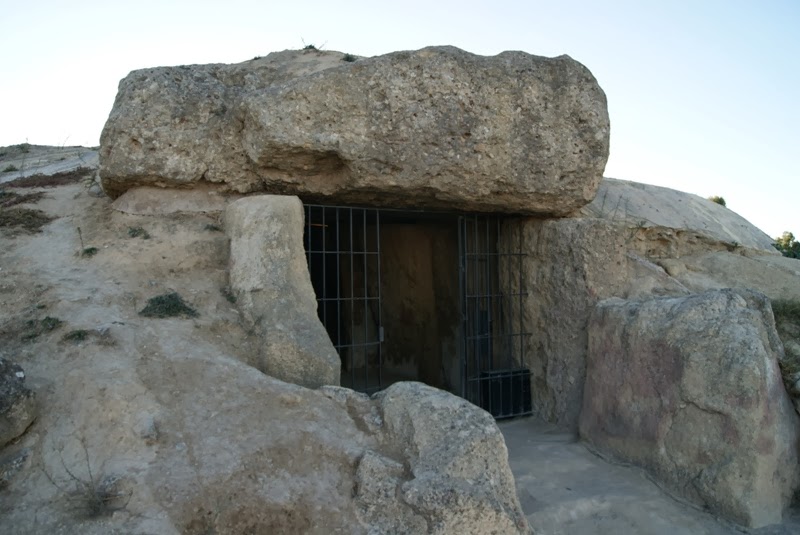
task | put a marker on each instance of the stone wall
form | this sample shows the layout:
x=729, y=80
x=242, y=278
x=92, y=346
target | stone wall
x=570, y=265
x=689, y=388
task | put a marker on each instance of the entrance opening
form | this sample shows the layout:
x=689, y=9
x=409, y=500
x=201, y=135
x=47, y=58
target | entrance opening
x=422, y=296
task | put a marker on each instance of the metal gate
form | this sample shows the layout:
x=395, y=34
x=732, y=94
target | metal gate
x=343, y=253
x=494, y=338
x=343, y=249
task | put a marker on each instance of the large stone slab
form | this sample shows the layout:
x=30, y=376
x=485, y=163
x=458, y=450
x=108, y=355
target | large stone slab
x=433, y=128
x=570, y=264
x=689, y=389
x=269, y=277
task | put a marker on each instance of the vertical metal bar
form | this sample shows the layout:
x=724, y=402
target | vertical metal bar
x=338, y=287
x=366, y=300
x=519, y=298
x=307, y=213
x=324, y=271
x=500, y=330
x=489, y=290
x=509, y=329
x=380, y=320
x=476, y=302
x=462, y=302
x=352, y=307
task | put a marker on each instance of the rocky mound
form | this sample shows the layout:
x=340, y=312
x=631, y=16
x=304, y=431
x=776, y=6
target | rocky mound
x=151, y=418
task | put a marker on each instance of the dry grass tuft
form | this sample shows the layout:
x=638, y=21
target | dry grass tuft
x=23, y=219
x=46, y=181
x=9, y=198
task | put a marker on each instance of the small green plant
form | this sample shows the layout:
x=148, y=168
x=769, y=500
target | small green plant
x=76, y=336
x=229, y=295
x=51, y=324
x=35, y=328
x=10, y=169
x=24, y=148
x=788, y=245
x=167, y=306
x=349, y=58
x=717, y=199
x=86, y=252
x=213, y=227
x=312, y=47
x=138, y=232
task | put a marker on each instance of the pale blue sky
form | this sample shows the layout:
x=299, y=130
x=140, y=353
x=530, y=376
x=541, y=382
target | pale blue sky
x=704, y=95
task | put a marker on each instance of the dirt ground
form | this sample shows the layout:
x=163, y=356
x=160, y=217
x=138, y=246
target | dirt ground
x=565, y=489
x=92, y=270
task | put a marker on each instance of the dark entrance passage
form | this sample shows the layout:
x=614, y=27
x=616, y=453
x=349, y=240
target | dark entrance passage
x=421, y=296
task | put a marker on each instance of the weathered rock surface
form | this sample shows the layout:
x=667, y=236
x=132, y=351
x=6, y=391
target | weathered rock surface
x=776, y=276
x=17, y=404
x=672, y=223
x=689, y=388
x=178, y=432
x=634, y=241
x=460, y=485
x=269, y=277
x=569, y=266
x=437, y=127
x=160, y=201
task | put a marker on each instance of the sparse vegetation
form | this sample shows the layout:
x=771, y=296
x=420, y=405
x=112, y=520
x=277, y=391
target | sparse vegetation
x=229, y=295
x=76, y=336
x=10, y=169
x=9, y=198
x=92, y=497
x=35, y=328
x=167, y=306
x=213, y=227
x=24, y=218
x=788, y=245
x=309, y=47
x=717, y=199
x=24, y=148
x=86, y=252
x=349, y=58
x=138, y=232
x=45, y=181
x=787, y=321
x=50, y=323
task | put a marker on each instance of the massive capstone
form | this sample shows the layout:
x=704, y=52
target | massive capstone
x=433, y=128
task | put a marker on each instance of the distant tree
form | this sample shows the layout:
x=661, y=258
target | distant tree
x=717, y=199
x=787, y=245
